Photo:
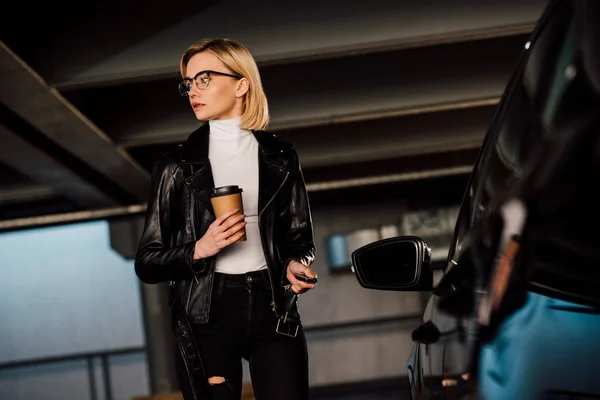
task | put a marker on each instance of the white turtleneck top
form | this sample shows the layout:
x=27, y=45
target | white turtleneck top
x=233, y=155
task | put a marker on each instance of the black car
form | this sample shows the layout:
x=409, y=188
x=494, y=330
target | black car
x=515, y=313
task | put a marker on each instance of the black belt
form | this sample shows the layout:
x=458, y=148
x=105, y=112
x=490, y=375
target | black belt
x=261, y=277
x=287, y=323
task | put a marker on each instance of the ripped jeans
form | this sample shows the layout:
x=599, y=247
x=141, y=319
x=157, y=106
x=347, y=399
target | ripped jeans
x=242, y=325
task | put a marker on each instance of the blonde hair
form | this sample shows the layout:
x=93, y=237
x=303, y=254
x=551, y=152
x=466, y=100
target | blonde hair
x=237, y=58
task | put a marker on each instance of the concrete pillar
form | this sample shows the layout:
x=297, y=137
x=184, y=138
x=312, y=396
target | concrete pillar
x=125, y=234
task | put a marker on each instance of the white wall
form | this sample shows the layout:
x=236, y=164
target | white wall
x=65, y=291
x=367, y=352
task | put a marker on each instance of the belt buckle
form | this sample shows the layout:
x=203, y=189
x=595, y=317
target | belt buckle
x=288, y=328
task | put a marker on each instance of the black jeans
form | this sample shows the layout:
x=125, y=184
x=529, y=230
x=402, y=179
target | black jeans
x=242, y=324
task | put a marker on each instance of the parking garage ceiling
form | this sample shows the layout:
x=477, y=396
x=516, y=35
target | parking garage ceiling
x=373, y=93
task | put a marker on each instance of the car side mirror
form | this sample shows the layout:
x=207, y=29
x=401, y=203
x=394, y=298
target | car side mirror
x=401, y=263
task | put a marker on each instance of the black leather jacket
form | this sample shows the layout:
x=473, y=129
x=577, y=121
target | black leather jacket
x=179, y=213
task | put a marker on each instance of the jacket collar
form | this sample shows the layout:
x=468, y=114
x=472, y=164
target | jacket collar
x=273, y=167
x=195, y=149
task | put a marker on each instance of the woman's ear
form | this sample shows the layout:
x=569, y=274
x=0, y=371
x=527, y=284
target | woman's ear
x=242, y=87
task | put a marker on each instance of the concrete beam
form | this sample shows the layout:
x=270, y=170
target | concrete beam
x=25, y=193
x=350, y=89
x=406, y=136
x=47, y=111
x=292, y=31
x=40, y=167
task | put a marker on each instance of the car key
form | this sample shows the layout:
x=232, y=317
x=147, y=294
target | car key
x=306, y=279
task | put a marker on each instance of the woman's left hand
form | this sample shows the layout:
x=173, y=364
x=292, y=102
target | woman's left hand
x=297, y=268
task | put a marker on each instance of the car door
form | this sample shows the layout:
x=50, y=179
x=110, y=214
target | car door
x=514, y=133
x=515, y=128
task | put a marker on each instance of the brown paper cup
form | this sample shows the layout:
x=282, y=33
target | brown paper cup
x=227, y=198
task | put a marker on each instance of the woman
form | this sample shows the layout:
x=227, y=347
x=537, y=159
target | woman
x=231, y=300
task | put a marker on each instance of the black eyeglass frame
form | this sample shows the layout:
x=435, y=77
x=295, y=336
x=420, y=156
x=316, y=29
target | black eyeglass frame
x=185, y=85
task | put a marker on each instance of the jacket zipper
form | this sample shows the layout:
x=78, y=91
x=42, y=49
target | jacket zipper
x=193, y=227
x=187, y=305
x=273, y=304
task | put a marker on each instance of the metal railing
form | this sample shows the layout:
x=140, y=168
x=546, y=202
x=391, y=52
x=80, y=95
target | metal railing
x=89, y=358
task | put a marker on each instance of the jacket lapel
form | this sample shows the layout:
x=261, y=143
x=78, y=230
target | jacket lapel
x=272, y=169
x=196, y=166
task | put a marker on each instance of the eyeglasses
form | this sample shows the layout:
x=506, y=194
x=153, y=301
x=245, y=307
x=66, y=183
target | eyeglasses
x=201, y=79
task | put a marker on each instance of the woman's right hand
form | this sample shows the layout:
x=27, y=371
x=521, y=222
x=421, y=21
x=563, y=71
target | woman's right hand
x=220, y=234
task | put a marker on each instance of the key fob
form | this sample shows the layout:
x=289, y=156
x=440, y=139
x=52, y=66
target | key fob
x=306, y=279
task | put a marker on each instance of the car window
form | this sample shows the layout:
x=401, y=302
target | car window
x=521, y=125
x=518, y=123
